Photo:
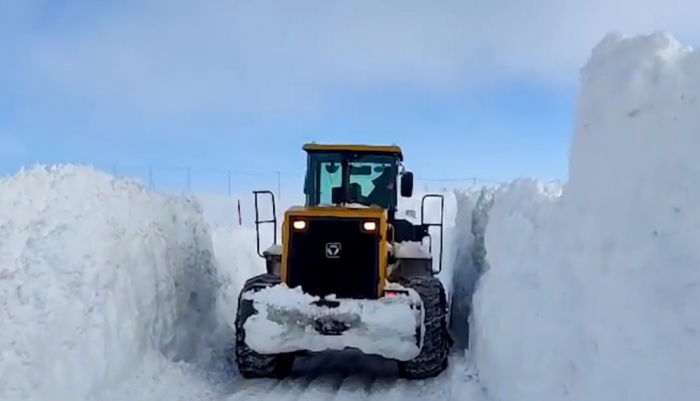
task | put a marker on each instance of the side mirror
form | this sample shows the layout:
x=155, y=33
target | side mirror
x=407, y=184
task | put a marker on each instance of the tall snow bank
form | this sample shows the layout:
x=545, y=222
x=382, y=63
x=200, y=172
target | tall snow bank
x=593, y=295
x=467, y=256
x=235, y=245
x=522, y=309
x=238, y=261
x=100, y=280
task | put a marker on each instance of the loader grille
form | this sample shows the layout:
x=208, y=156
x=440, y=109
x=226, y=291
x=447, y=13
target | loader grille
x=351, y=272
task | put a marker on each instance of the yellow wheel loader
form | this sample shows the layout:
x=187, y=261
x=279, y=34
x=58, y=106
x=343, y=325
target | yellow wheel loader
x=349, y=274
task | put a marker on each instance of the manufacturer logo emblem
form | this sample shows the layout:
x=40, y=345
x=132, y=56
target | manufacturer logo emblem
x=333, y=250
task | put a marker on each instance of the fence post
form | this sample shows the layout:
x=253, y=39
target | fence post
x=279, y=185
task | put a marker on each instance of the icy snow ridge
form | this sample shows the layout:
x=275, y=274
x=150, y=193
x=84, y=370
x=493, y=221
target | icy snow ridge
x=100, y=280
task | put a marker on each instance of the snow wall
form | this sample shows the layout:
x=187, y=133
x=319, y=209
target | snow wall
x=238, y=261
x=110, y=291
x=591, y=290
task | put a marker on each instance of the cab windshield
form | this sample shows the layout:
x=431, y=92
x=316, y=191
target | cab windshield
x=367, y=179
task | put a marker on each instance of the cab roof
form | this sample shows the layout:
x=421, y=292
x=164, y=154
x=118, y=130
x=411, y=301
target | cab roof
x=373, y=149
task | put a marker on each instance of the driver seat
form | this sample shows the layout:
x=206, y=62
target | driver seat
x=355, y=193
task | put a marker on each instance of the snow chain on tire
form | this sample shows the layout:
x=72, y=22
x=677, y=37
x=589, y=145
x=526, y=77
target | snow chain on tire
x=433, y=357
x=250, y=363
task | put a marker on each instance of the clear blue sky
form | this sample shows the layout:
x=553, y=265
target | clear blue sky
x=468, y=89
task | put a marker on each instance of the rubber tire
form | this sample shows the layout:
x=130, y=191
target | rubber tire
x=433, y=357
x=250, y=363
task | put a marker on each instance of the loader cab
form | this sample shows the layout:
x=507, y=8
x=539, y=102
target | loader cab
x=341, y=175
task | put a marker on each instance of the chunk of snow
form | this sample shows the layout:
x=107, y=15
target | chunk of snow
x=274, y=249
x=354, y=205
x=411, y=250
x=349, y=205
x=286, y=317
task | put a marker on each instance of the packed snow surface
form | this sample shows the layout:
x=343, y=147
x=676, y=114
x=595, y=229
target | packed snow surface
x=286, y=319
x=350, y=376
x=592, y=290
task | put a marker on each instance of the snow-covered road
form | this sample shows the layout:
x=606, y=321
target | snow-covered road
x=352, y=376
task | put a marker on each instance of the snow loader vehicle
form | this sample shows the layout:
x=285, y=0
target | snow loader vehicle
x=349, y=273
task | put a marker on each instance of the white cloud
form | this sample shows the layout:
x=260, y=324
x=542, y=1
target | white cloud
x=263, y=55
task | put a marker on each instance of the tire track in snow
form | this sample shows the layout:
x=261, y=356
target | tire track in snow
x=357, y=387
x=336, y=377
x=252, y=389
x=290, y=389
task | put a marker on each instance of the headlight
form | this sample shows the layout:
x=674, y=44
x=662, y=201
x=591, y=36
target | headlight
x=299, y=224
x=369, y=226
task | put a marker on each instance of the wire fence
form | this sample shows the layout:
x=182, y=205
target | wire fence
x=230, y=181
x=189, y=179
